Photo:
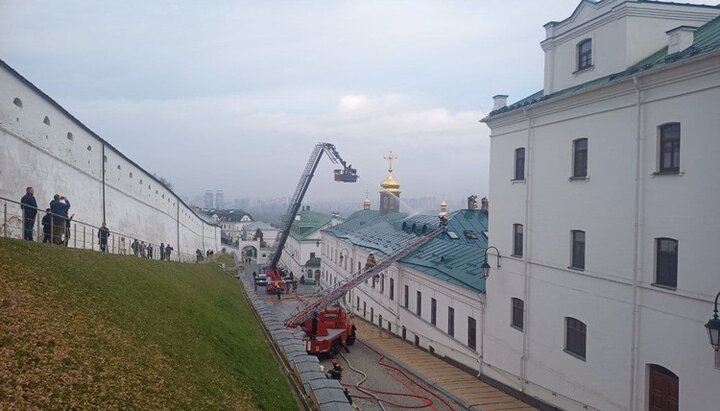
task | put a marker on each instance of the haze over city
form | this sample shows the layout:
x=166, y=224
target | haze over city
x=233, y=95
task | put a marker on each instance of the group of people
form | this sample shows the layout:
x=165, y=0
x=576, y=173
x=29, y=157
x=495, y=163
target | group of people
x=141, y=249
x=55, y=223
x=56, y=226
x=199, y=255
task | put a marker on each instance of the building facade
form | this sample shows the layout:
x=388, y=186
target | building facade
x=605, y=214
x=434, y=296
x=301, y=254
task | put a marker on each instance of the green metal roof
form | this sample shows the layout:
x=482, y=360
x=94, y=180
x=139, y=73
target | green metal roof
x=309, y=222
x=706, y=40
x=454, y=256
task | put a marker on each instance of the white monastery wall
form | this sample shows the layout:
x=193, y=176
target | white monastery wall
x=66, y=158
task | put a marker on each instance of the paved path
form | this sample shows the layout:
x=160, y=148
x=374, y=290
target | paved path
x=455, y=381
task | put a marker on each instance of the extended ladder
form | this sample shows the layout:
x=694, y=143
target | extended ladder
x=327, y=297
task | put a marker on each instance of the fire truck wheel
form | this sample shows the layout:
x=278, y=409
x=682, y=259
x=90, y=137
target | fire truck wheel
x=335, y=347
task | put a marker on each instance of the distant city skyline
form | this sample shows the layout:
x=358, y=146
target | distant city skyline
x=237, y=93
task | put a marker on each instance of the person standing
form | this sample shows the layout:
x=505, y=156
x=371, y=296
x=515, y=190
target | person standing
x=150, y=251
x=168, y=250
x=67, y=229
x=162, y=251
x=29, y=210
x=135, y=247
x=58, y=223
x=103, y=234
x=46, y=224
x=143, y=249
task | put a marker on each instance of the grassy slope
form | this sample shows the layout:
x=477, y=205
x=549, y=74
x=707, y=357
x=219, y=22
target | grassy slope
x=81, y=329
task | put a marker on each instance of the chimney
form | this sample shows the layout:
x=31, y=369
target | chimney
x=499, y=101
x=680, y=38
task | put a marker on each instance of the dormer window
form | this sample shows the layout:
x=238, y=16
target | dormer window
x=584, y=53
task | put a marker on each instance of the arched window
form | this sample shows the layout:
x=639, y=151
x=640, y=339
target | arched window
x=575, y=337
x=577, y=257
x=663, y=388
x=18, y=102
x=584, y=54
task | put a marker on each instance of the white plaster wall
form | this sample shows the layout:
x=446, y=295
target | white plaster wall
x=623, y=33
x=669, y=322
x=53, y=161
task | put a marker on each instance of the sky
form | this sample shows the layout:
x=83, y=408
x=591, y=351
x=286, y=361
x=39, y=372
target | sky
x=233, y=95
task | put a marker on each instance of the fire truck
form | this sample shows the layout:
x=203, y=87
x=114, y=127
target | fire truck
x=276, y=284
x=326, y=325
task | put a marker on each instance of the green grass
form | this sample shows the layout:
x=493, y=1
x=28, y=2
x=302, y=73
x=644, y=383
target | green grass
x=86, y=330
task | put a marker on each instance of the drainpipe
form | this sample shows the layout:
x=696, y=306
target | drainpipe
x=528, y=249
x=177, y=220
x=637, y=246
x=102, y=163
x=482, y=335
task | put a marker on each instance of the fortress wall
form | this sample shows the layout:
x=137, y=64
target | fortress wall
x=65, y=157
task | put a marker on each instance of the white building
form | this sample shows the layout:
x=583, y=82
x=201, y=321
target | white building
x=260, y=230
x=434, y=296
x=604, y=213
x=231, y=222
x=301, y=254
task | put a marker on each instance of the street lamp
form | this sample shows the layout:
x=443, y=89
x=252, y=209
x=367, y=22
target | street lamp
x=485, y=267
x=713, y=327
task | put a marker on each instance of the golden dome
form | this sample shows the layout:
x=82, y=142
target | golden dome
x=390, y=185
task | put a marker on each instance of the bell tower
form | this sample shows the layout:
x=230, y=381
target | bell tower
x=390, y=193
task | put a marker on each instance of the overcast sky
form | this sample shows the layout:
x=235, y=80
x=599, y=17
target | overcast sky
x=232, y=95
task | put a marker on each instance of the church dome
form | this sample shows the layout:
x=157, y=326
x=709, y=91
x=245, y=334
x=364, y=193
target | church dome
x=390, y=184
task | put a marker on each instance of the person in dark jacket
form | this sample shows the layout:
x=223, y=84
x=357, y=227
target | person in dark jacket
x=168, y=250
x=46, y=223
x=59, y=208
x=29, y=210
x=162, y=251
x=103, y=234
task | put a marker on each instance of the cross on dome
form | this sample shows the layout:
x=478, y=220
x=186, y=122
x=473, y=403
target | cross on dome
x=390, y=157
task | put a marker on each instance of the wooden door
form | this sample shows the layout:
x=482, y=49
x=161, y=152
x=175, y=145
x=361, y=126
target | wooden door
x=663, y=389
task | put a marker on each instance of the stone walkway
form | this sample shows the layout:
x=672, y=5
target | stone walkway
x=466, y=387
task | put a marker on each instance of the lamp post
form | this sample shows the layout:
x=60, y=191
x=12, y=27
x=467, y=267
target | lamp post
x=485, y=267
x=713, y=327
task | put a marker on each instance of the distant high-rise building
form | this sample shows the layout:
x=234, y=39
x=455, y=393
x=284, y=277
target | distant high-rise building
x=219, y=200
x=208, y=199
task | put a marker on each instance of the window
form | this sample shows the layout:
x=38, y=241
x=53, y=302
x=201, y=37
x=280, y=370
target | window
x=407, y=297
x=392, y=288
x=578, y=250
x=663, y=389
x=472, y=333
x=418, y=304
x=580, y=158
x=46, y=120
x=382, y=283
x=518, y=308
x=519, y=164
x=18, y=102
x=666, y=262
x=372, y=314
x=669, y=148
x=584, y=53
x=364, y=308
x=518, y=240
x=433, y=311
x=70, y=136
x=451, y=322
x=575, y=337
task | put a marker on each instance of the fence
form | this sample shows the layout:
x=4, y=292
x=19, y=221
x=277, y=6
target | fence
x=70, y=232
